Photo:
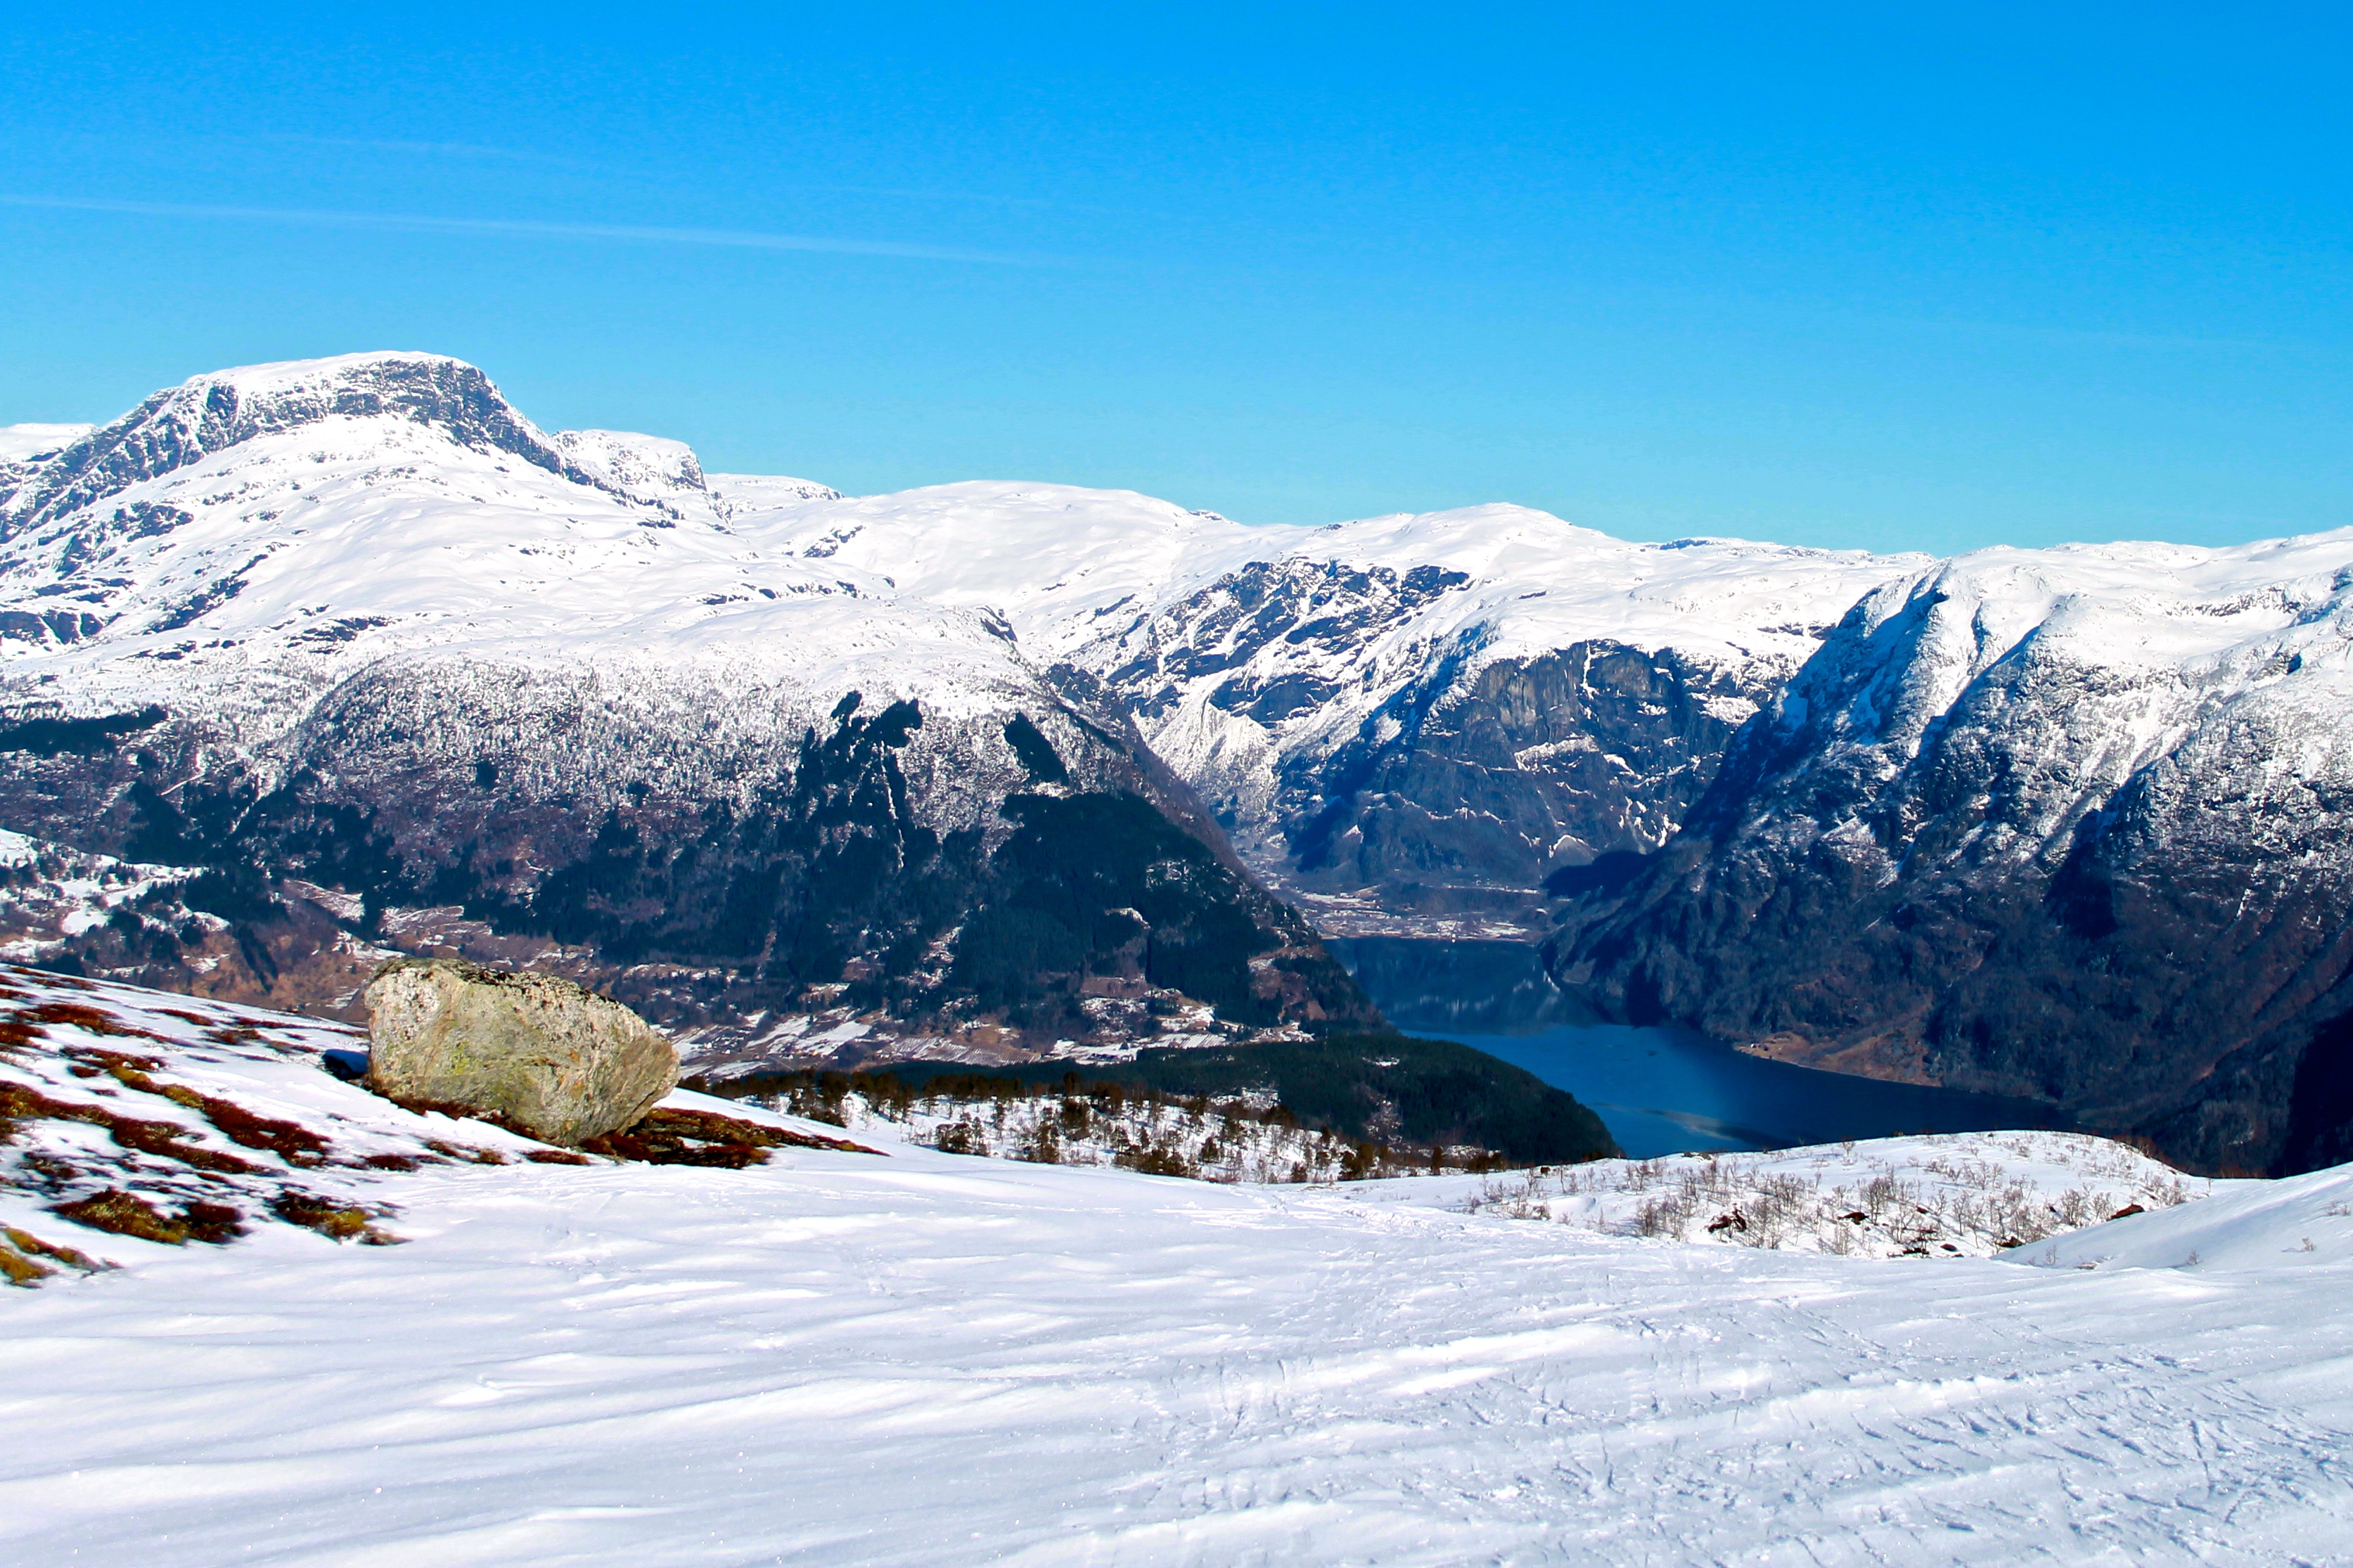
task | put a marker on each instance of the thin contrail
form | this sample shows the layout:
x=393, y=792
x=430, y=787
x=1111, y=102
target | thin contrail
x=737, y=238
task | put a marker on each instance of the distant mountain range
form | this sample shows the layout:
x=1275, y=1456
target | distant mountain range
x=304, y=663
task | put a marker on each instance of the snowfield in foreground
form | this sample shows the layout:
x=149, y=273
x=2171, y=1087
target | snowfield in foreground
x=920, y=1359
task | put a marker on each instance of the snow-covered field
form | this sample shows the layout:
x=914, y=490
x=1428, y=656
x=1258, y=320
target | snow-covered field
x=912, y=1357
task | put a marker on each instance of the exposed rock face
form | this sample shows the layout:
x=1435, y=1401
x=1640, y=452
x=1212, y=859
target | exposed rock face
x=1484, y=783
x=548, y=1056
x=2074, y=824
x=1421, y=747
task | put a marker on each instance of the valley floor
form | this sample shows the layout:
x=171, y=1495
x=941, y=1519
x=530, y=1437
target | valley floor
x=926, y=1359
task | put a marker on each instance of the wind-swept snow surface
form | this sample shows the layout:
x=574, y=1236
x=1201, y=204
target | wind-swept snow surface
x=920, y=1359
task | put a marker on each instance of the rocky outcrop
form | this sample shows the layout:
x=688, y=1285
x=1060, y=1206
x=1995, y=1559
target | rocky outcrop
x=537, y=1052
x=1466, y=792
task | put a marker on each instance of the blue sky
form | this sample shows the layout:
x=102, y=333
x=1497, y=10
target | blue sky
x=1827, y=275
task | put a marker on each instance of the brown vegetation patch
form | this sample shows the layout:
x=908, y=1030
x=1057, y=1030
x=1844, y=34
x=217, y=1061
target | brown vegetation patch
x=655, y=1145
x=751, y=1131
x=672, y=1137
x=22, y=1102
x=331, y=1218
x=396, y=1163
x=471, y=1154
x=25, y=1242
x=127, y=1213
x=662, y=1137
x=216, y=1222
x=64, y=981
x=289, y=1140
x=668, y=1137
x=557, y=1157
x=80, y=1016
x=18, y=1269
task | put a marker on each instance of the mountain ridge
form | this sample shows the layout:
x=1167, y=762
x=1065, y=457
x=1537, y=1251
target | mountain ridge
x=1955, y=821
x=400, y=645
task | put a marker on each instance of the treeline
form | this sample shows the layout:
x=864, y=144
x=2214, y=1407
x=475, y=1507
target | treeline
x=1344, y=1107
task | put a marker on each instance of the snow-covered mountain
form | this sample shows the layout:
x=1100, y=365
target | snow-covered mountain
x=1408, y=721
x=349, y=612
x=1415, y=722
x=2072, y=823
x=359, y=621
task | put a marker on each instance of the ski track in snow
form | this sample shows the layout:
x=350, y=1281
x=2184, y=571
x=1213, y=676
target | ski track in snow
x=929, y=1360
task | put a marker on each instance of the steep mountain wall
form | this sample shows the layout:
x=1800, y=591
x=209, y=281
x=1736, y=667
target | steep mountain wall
x=2073, y=824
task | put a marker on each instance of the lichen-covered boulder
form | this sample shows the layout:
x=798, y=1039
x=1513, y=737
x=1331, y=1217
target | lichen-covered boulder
x=548, y=1057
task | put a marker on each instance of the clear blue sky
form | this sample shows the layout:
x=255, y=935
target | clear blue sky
x=1902, y=277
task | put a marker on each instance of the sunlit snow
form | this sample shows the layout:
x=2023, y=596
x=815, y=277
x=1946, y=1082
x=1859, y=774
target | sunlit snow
x=916, y=1358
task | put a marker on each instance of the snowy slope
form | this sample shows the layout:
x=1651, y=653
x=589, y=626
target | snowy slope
x=918, y=1358
x=1057, y=562
x=2245, y=1227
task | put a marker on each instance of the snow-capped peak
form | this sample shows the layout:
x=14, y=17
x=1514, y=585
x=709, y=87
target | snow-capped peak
x=210, y=414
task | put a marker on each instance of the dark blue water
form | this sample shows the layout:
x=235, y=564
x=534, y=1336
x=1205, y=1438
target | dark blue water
x=1660, y=1092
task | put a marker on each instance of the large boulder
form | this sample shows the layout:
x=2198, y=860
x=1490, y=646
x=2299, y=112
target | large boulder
x=548, y=1057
